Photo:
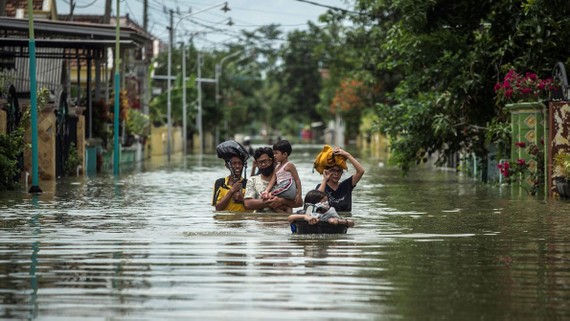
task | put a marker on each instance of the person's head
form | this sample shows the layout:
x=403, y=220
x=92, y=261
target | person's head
x=335, y=171
x=316, y=197
x=247, y=140
x=235, y=165
x=264, y=160
x=282, y=150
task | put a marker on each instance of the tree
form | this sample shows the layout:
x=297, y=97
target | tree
x=438, y=62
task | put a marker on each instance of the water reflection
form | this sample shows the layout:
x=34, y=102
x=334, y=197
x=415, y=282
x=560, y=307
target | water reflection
x=147, y=246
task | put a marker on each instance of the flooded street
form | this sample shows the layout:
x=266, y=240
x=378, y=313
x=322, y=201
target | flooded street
x=148, y=246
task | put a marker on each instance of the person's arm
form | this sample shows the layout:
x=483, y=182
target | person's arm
x=293, y=170
x=307, y=217
x=253, y=168
x=277, y=201
x=359, y=169
x=254, y=203
x=225, y=201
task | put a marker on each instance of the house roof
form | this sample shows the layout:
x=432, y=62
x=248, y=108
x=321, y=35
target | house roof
x=64, y=31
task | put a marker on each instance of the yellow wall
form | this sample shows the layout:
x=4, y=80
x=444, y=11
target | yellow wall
x=209, y=146
x=158, y=140
x=377, y=147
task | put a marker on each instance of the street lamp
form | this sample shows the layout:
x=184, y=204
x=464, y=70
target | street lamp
x=218, y=76
x=225, y=8
x=184, y=113
x=219, y=72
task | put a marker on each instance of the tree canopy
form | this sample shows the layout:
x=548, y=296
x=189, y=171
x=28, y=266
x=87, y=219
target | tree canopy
x=425, y=69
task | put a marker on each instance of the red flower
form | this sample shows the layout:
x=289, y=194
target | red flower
x=520, y=144
x=522, y=88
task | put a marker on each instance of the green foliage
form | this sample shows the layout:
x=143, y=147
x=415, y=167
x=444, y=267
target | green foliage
x=454, y=53
x=137, y=123
x=72, y=160
x=4, y=80
x=42, y=98
x=499, y=133
x=528, y=175
x=101, y=117
x=11, y=147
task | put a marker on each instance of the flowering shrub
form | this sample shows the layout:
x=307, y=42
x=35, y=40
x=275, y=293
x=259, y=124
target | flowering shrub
x=516, y=88
x=531, y=172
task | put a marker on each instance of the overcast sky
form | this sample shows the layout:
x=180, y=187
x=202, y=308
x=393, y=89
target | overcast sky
x=245, y=14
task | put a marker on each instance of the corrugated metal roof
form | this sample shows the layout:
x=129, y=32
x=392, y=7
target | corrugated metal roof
x=48, y=71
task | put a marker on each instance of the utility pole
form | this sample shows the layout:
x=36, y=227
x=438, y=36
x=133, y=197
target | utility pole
x=169, y=104
x=107, y=15
x=35, y=188
x=199, y=118
x=117, y=109
x=145, y=16
x=184, y=116
x=71, y=8
x=2, y=8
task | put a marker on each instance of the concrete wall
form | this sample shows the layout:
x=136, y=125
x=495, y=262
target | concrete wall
x=3, y=122
x=158, y=141
x=209, y=143
x=376, y=145
x=46, y=145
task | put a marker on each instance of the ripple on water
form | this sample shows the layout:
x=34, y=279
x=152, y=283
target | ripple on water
x=148, y=246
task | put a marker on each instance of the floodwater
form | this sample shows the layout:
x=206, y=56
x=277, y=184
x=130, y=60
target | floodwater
x=148, y=246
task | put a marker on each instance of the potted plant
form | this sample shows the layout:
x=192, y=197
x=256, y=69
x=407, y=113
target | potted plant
x=562, y=174
x=526, y=174
x=518, y=88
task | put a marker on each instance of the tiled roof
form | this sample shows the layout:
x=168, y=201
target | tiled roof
x=12, y=5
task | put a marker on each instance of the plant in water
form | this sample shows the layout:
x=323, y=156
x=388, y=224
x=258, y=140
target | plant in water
x=11, y=146
x=72, y=160
x=521, y=171
x=499, y=133
x=137, y=123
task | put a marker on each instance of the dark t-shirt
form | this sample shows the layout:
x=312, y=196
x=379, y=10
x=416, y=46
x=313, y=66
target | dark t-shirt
x=341, y=199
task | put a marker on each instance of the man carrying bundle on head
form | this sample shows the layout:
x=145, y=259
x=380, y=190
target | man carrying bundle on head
x=229, y=190
x=331, y=163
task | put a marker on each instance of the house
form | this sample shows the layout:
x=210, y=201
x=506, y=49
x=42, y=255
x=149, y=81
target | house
x=72, y=60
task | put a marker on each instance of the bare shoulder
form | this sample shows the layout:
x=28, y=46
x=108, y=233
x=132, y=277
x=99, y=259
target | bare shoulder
x=290, y=166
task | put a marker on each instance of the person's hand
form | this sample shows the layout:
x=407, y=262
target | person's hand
x=274, y=202
x=298, y=198
x=340, y=151
x=236, y=186
x=238, y=197
x=236, y=191
x=326, y=175
x=311, y=219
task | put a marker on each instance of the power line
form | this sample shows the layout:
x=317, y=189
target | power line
x=329, y=7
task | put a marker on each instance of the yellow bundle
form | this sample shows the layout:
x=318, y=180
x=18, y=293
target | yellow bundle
x=326, y=158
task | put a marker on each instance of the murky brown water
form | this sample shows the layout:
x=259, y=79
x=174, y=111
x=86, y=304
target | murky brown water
x=147, y=246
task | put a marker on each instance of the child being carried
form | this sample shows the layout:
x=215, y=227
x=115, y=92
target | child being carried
x=285, y=180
